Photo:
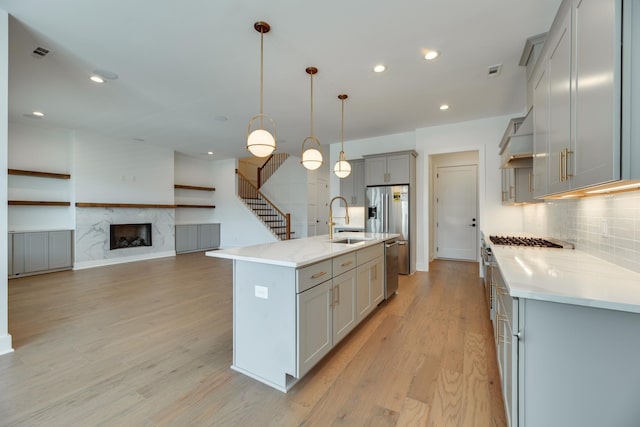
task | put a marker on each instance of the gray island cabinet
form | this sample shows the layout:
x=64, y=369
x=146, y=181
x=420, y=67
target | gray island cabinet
x=294, y=300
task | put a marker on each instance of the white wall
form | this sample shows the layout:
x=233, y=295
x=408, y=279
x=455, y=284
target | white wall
x=28, y=151
x=109, y=170
x=238, y=225
x=198, y=172
x=287, y=189
x=481, y=135
x=5, y=338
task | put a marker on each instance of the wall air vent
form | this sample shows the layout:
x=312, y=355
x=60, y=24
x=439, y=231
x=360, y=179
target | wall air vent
x=494, y=70
x=40, y=52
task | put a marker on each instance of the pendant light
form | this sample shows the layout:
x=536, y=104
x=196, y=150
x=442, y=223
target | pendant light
x=261, y=142
x=342, y=169
x=311, y=157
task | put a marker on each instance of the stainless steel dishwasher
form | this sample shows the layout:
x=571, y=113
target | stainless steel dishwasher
x=391, y=268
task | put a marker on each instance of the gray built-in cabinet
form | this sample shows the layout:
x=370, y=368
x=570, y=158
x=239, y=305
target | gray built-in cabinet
x=583, y=96
x=389, y=169
x=560, y=364
x=286, y=319
x=352, y=187
x=40, y=252
x=517, y=186
x=197, y=237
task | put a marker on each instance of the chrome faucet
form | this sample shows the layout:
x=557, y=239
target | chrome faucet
x=346, y=215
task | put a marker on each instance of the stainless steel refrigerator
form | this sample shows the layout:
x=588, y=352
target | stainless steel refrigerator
x=388, y=212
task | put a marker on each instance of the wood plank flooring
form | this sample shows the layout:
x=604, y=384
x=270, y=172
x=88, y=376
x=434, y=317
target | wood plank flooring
x=150, y=344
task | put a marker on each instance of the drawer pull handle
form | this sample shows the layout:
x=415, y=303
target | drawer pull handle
x=344, y=264
x=317, y=275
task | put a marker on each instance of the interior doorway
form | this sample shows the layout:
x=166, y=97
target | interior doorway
x=455, y=221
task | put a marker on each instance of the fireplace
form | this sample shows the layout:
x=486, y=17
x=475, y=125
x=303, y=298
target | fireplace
x=130, y=235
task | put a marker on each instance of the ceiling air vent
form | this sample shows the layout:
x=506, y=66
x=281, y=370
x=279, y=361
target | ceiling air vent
x=40, y=52
x=494, y=70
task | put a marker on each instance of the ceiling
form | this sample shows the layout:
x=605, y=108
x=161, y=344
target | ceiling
x=188, y=71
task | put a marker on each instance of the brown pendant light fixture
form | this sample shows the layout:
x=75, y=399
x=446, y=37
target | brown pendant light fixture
x=261, y=142
x=311, y=157
x=342, y=169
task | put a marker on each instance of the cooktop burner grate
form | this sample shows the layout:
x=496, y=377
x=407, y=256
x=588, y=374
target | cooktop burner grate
x=523, y=241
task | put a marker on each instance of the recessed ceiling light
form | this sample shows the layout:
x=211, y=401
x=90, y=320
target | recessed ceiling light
x=444, y=107
x=96, y=79
x=38, y=114
x=379, y=68
x=106, y=74
x=430, y=55
x=210, y=153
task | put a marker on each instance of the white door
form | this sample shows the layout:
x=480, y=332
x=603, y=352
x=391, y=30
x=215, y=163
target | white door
x=456, y=212
x=317, y=203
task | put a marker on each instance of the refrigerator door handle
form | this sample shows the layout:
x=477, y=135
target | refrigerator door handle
x=386, y=212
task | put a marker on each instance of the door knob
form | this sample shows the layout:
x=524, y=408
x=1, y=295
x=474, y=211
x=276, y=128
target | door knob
x=472, y=225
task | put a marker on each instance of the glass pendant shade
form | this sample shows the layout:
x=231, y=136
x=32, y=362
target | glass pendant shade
x=342, y=169
x=261, y=143
x=311, y=159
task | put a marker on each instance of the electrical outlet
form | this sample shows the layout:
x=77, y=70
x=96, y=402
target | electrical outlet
x=604, y=227
x=261, y=292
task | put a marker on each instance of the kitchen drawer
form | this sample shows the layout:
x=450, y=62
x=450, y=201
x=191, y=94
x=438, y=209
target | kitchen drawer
x=344, y=263
x=313, y=275
x=367, y=254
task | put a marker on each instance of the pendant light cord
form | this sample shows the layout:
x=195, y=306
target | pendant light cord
x=311, y=104
x=261, y=74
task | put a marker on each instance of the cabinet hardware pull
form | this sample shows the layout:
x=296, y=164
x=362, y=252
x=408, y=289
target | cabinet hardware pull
x=561, y=164
x=503, y=196
x=322, y=273
x=530, y=182
x=344, y=264
x=338, y=298
x=566, y=164
x=518, y=335
x=511, y=195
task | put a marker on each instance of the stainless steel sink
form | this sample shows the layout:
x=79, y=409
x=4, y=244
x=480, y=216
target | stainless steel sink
x=350, y=240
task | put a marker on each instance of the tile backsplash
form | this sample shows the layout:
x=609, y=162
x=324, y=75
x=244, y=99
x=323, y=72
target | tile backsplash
x=605, y=226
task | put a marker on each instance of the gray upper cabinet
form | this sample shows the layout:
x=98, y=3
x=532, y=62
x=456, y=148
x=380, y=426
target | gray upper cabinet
x=352, y=188
x=578, y=96
x=390, y=169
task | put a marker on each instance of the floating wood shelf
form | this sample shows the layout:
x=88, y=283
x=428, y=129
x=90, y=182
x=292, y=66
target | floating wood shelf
x=193, y=187
x=123, y=205
x=196, y=206
x=39, y=174
x=36, y=203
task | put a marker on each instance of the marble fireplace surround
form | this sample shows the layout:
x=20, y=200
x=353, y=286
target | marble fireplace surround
x=92, y=245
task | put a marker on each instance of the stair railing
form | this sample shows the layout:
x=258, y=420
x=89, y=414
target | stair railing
x=270, y=166
x=246, y=190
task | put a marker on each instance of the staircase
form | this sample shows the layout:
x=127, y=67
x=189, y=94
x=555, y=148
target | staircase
x=273, y=218
x=269, y=167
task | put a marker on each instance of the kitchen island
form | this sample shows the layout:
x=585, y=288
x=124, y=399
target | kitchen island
x=567, y=331
x=294, y=300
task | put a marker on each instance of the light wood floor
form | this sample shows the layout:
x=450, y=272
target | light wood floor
x=150, y=344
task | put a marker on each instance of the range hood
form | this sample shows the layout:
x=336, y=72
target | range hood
x=516, y=147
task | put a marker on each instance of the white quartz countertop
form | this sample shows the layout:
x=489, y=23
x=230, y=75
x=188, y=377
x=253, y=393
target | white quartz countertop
x=567, y=276
x=301, y=252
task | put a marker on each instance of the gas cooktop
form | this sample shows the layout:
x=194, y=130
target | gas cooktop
x=529, y=241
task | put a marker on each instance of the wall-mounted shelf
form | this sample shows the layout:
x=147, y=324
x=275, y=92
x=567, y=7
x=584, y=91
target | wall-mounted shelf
x=123, y=205
x=196, y=206
x=39, y=174
x=193, y=187
x=36, y=203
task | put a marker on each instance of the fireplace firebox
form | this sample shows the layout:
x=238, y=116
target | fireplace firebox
x=130, y=235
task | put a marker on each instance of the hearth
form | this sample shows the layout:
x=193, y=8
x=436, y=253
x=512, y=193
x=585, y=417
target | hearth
x=130, y=235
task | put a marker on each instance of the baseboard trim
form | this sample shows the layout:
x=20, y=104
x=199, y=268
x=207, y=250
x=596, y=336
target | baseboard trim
x=5, y=344
x=112, y=261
